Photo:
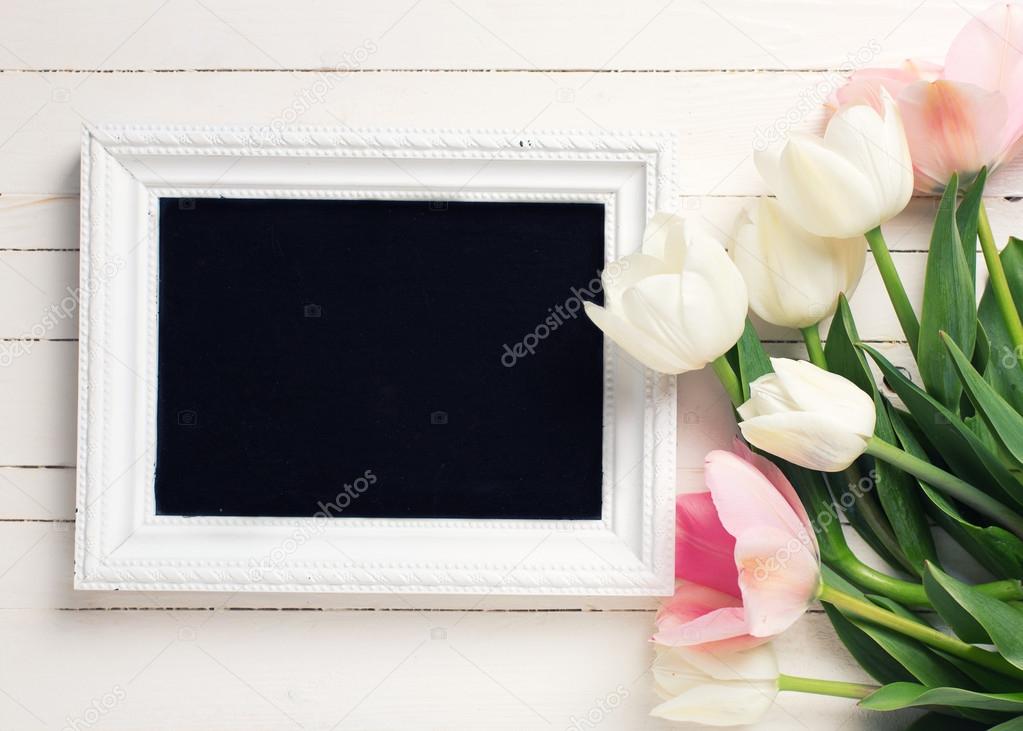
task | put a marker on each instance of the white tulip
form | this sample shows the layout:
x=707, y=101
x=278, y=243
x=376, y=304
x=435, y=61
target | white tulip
x=678, y=304
x=851, y=181
x=715, y=689
x=793, y=276
x=808, y=416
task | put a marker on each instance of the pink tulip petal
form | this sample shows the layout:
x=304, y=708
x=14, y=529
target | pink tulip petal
x=704, y=550
x=777, y=478
x=988, y=52
x=701, y=617
x=746, y=500
x=951, y=127
x=779, y=577
x=864, y=86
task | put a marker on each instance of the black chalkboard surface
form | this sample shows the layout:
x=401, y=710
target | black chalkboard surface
x=378, y=359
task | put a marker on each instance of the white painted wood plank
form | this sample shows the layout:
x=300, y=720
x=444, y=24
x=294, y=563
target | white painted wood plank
x=39, y=296
x=366, y=670
x=38, y=222
x=39, y=392
x=474, y=34
x=37, y=494
x=716, y=116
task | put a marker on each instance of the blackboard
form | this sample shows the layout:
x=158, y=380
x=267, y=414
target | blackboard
x=409, y=359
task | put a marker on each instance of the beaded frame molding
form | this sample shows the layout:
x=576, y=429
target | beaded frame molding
x=120, y=541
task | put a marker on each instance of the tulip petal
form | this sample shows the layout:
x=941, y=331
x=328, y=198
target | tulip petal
x=814, y=441
x=876, y=145
x=698, y=616
x=794, y=277
x=623, y=273
x=952, y=127
x=779, y=577
x=781, y=483
x=747, y=501
x=767, y=396
x=986, y=52
x=636, y=343
x=813, y=388
x=715, y=705
x=704, y=550
x=665, y=238
x=715, y=298
x=673, y=663
x=821, y=189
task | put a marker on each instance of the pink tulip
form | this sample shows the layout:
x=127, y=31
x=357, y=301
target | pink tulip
x=746, y=555
x=965, y=115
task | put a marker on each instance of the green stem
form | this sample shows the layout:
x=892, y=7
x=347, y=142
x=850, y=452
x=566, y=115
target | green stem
x=907, y=592
x=893, y=283
x=836, y=688
x=929, y=636
x=999, y=284
x=947, y=483
x=728, y=379
x=812, y=338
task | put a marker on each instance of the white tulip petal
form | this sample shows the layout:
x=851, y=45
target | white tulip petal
x=814, y=441
x=665, y=239
x=878, y=148
x=814, y=389
x=640, y=345
x=623, y=273
x=900, y=182
x=767, y=396
x=720, y=705
x=826, y=193
x=757, y=663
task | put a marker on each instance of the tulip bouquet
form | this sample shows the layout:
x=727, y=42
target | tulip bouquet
x=905, y=460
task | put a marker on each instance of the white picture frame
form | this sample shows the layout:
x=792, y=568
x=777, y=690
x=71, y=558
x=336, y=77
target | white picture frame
x=120, y=541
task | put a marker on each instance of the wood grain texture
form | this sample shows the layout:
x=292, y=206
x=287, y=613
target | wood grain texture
x=717, y=117
x=474, y=34
x=718, y=74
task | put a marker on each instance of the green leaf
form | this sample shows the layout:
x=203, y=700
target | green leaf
x=843, y=357
x=1003, y=370
x=865, y=650
x=873, y=658
x=949, y=304
x=916, y=657
x=966, y=221
x=980, y=678
x=966, y=627
x=995, y=548
x=996, y=619
x=998, y=414
x=894, y=696
x=1013, y=724
x=751, y=358
x=944, y=722
x=895, y=489
x=960, y=448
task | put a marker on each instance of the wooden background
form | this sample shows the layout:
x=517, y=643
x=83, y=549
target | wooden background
x=721, y=74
